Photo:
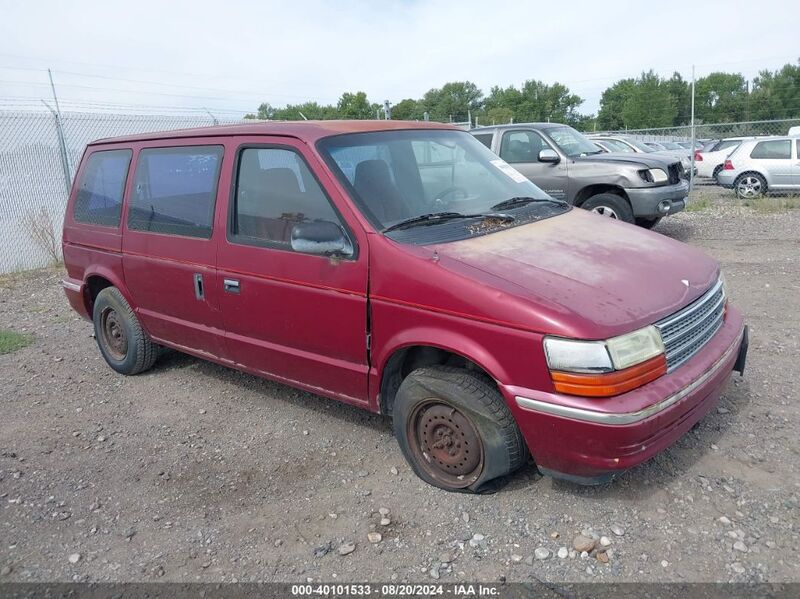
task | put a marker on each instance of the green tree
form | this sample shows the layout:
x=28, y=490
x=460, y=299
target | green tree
x=407, y=110
x=681, y=94
x=720, y=98
x=354, y=106
x=310, y=110
x=453, y=100
x=609, y=117
x=775, y=95
x=650, y=104
x=535, y=101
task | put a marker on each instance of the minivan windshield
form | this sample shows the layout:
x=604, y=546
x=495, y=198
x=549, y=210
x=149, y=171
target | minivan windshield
x=571, y=142
x=419, y=177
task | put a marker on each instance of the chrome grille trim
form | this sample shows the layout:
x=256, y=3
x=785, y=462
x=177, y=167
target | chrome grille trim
x=689, y=329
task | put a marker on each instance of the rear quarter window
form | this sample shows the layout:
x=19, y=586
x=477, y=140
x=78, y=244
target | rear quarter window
x=174, y=190
x=778, y=149
x=102, y=185
x=484, y=138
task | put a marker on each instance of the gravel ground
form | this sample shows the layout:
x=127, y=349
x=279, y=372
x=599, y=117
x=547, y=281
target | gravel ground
x=194, y=472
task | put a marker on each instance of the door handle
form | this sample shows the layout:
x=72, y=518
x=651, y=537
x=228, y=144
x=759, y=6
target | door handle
x=199, y=292
x=231, y=285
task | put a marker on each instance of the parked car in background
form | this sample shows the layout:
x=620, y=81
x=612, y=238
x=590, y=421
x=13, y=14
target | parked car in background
x=762, y=165
x=709, y=161
x=654, y=145
x=406, y=269
x=639, y=147
x=638, y=189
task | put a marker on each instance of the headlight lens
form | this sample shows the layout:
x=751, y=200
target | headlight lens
x=630, y=349
x=577, y=356
x=606, y=368
x=653, y=175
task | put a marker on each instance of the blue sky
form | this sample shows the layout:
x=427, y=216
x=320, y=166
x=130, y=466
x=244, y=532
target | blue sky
x=232, y=55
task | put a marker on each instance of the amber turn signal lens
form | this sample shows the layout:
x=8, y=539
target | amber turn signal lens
x=611, y=383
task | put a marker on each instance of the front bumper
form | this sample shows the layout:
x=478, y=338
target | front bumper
x=589, y=440
x=655, y=202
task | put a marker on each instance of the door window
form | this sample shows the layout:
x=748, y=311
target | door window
x=99, y=197
x=777, y=149
x=275, y=190
x=522, y=146
x=175, y=189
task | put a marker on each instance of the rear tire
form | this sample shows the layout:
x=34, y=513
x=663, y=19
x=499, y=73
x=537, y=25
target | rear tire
x=121, y=339
x=610, y=205
x=716, y=172
x=750, y=186
x=455, y=429
x=648, y=223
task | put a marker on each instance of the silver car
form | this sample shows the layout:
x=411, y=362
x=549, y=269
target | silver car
x=625, y=143
x=762, y=165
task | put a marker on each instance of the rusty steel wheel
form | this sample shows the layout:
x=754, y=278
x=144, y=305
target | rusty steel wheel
x=120, y=337
x=445, y=443
x=113, y=330
x=455, y=429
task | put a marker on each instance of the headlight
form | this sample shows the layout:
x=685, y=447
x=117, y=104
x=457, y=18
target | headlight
x=654, y=175
x=606, y=368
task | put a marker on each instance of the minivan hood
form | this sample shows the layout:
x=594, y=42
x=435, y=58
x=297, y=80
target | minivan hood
x=583, y=274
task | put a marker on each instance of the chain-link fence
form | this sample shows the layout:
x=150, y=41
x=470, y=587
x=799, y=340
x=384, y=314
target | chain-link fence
x=709, y=132
x=40, y=152
x=39, y=155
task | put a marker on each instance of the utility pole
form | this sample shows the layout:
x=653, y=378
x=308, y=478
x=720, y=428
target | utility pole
x=694, y=139
x=62, y=143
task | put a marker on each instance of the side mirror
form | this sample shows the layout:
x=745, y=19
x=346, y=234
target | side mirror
x=320, y=237
x=548, y=155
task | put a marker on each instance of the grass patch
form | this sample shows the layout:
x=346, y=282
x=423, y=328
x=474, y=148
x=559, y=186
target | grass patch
x=11, y=341
x=771, y=205
x=699, y=204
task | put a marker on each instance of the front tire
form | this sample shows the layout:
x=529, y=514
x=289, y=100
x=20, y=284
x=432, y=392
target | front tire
x=121, y=339
x=455, y=429
x=750, y=186
x=610, y=205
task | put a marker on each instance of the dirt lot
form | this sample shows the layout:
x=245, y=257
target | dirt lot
x=196, y=472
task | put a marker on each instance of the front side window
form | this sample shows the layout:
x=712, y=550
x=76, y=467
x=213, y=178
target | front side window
x=275, y=191
x=522, y=146
x=394, y=176
x=777, y=149
x=174, y=190
x=99, y=197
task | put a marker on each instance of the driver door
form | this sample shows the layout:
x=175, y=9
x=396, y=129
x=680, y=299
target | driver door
x=521, y=147
x=296, y=317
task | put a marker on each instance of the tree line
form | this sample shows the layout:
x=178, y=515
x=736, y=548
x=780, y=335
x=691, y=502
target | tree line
x=646, y=101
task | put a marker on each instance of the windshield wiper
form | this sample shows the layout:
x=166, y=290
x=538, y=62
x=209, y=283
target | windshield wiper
x=440, y=217
x=522, y=201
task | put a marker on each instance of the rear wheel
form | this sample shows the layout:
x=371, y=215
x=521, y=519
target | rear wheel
x=121, y=339
x=455, y=429
x=611, y=206
x=648, y=223
x=750, y=186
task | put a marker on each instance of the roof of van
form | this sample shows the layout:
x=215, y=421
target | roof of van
x=306, y=130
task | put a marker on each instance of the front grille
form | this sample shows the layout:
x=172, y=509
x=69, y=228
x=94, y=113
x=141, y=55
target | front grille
x=688, y=330
x=675, y=172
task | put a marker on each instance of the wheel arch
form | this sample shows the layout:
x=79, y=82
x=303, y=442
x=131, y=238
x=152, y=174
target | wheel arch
x=97, y=279
x=592, y=190
x=408, y=355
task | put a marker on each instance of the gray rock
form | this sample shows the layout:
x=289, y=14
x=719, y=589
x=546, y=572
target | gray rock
x=618, y=530
x=74, y=558
x=563, y=552
x=347, y=548
x=5, y=571
x=725, y=520
x=583, y=543
x=541, y=553
x=605, y=541
x=739, y=546
x=738, y=568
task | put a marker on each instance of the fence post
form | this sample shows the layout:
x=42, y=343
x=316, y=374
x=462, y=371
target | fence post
x=62, y=147
x=694, y=140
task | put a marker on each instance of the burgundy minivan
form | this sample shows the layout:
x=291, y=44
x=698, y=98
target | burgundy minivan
x=404, y=268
